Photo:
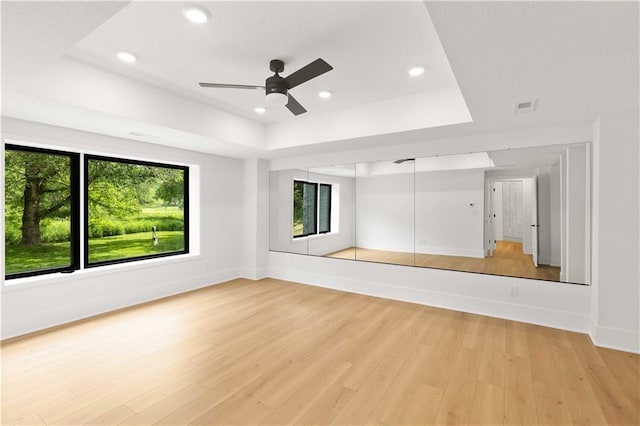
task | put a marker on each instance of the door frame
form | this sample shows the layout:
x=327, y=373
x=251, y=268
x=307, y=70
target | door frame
x=489, y=223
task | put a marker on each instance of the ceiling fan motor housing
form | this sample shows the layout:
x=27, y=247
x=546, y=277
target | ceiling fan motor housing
x=275, y=84
x=276, y=91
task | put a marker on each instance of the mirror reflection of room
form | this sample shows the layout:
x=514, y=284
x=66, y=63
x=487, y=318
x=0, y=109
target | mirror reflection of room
x=336, y=209
x=519, y=212
x=384, y=213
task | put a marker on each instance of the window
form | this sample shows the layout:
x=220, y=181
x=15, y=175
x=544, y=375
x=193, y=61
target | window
x=134, y=210
x=42, y=227
x=324, y=206
x=311, y=208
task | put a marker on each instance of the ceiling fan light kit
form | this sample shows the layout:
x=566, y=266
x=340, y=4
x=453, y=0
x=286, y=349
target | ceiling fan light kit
x=277, y=87
x=196, y=14
x=277, y=99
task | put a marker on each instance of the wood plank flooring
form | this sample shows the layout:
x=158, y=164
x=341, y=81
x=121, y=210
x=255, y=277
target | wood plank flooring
x=273, y=352
x=508, y=260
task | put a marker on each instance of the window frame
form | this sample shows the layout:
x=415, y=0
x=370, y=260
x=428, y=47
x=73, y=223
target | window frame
x=185, y=169
x=316, y=207
x=320, y=185
x=74, y=213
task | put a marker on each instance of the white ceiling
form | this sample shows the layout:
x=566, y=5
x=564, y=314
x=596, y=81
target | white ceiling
x=511, y=159
x=371, y=46
x=578, y=59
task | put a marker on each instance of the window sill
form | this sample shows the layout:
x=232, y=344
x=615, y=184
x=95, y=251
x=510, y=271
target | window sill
x=59, y=277
x=315, y=236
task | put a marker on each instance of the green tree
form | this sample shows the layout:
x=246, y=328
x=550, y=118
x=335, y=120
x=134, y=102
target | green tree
x=298, y=202
x=40, y=185
x=119, y=189
x=171, y=189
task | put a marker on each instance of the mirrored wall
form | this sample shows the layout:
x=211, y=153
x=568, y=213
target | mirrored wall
x=518, y=212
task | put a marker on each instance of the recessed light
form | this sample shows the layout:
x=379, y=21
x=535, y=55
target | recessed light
x=324, y=94
x=260, y=110
x=416, y=71
x=127, y=57
x=196, y=14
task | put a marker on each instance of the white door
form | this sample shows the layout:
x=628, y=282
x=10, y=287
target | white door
x=534, y=220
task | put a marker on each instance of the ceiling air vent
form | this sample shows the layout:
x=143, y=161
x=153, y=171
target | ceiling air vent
x=524, y=107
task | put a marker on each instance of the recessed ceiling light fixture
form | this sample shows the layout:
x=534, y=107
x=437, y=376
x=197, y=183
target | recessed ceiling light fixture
x=196, y=14
x=127, y=57
x=416, y=71
x=324, y=94
x=260, y=110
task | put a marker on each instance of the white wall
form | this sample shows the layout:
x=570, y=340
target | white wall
x=616, y=232
x=544, y=216
x=281, y=211
x=555, y=220
x=576, y=218
x=256, y=217
x=448, y=212
x=385, y=212
x=40, y=302
x=527, y=215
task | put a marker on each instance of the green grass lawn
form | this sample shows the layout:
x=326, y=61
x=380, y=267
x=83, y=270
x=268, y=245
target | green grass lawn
x=35, y=258
x=55, y=255
x=160, y=210
x=133, y=245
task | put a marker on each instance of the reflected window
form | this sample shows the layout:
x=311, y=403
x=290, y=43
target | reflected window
x=324, y=209
x=311, y=208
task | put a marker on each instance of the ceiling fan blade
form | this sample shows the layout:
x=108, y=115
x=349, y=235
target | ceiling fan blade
x=230, y=86
x=306, y=73
x=294, y=106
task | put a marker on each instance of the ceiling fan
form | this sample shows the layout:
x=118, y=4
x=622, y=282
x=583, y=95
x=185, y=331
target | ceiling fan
x=277, y=87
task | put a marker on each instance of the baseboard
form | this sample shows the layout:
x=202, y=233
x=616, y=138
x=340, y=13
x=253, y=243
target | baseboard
x=493, y=308
x=254, y=274
x=544, y=260
x=383, y=248
x=616, y=338
x=447, y=251
x=548, y=261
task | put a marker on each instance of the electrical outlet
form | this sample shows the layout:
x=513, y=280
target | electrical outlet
x=513, y=292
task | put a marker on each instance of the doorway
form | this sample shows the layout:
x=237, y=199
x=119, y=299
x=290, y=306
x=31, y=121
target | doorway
x=512, y=217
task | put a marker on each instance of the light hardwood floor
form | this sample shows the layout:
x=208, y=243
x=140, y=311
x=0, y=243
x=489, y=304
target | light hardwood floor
x=272, y=352
x=508, y=260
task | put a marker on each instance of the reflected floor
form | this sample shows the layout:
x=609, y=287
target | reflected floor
x=508, y=260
